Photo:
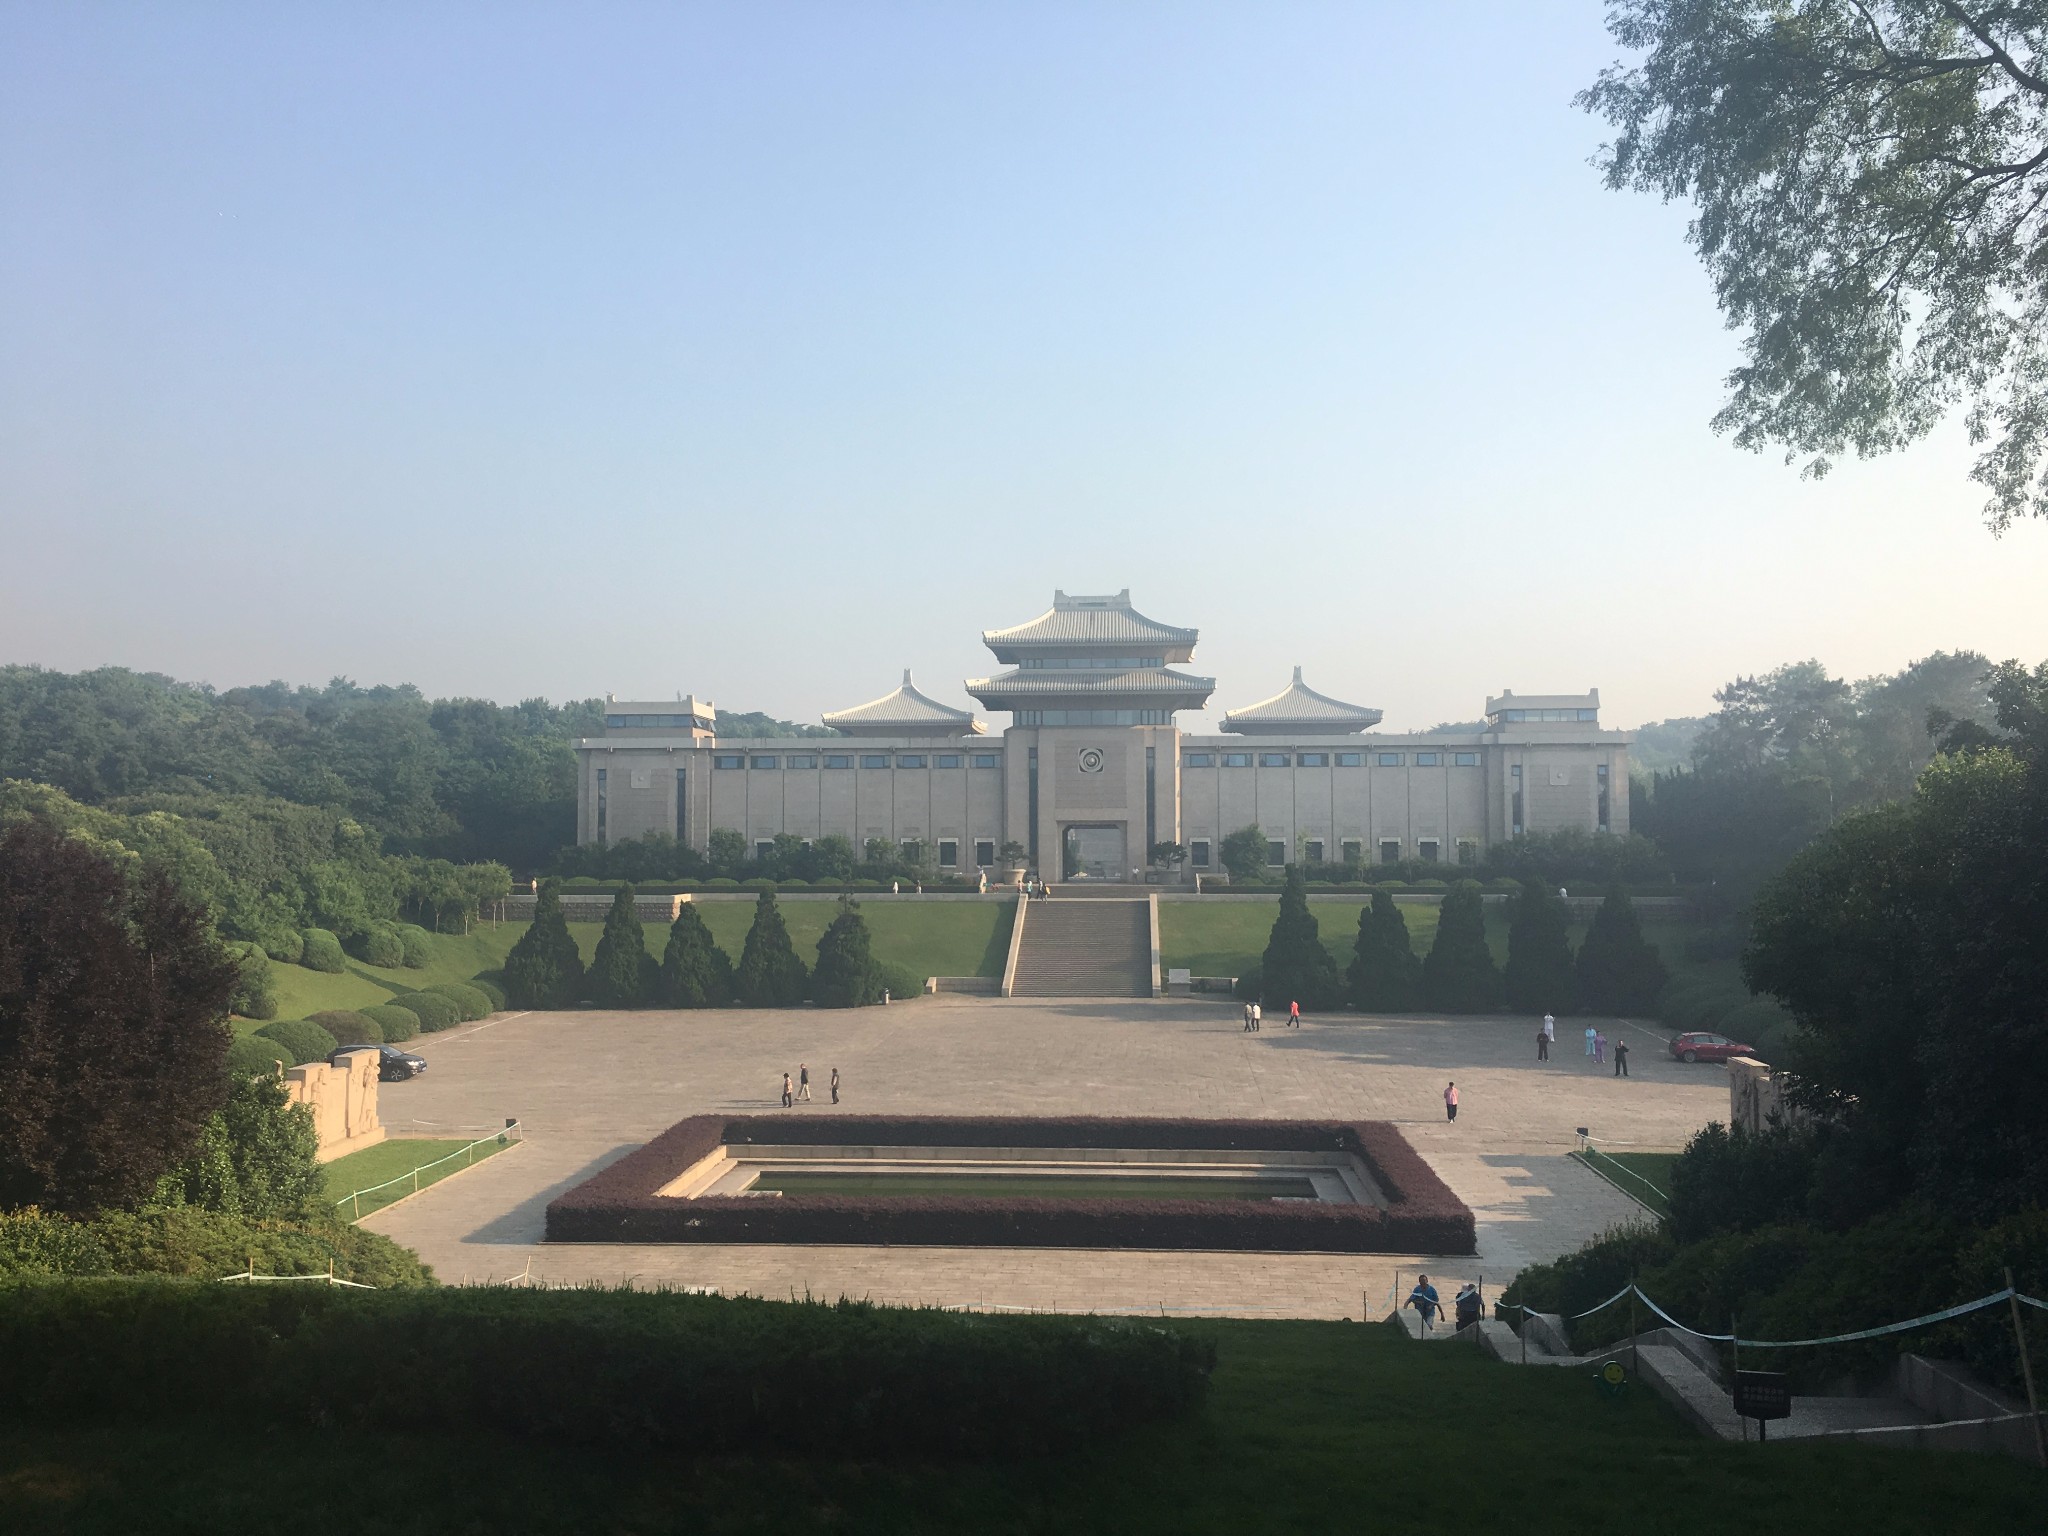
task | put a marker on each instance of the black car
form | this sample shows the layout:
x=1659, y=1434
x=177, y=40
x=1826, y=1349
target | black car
x=393, y=1065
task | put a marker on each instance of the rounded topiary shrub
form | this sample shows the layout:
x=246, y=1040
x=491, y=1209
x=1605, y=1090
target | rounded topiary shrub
x=416, y=946
x=305, y=1040
x=491, y=987
x=722, y=883
x=469, y=1002
x=284, y=946
x=379, y=945
x=348, y=1026
x=253, y=1056
x=900, y=979
x=432, y=1010
x=1432, y=885
x=320, y=950
x=398, y=1024
x=758, y=883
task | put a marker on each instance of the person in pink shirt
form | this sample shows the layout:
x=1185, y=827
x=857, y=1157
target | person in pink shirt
x=1600, y=1048
x=1450, y=1101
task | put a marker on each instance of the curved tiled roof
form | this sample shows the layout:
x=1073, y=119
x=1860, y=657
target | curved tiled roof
x=1087, y=622
x=904, y=712
x=1298, y=707
x=1148, y=682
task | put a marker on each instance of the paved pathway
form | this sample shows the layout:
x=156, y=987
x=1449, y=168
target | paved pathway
x=589, y=1086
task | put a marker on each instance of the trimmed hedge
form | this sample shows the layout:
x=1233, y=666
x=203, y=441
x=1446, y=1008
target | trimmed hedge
x=432, y=1010
x=348, y=1026
x=203, y=1245
x=306, y=1040
x=488, y=983
x=379, y=945
x=253, y=1056
x=645, y=1370
x=320, y=950
x=416, y=948
x=470, y=1002
x=620, y=1204
x=398, y=1024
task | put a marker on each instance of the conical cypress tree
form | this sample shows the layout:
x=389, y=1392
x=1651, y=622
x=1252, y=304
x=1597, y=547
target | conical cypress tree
x=544, y=969
x=694, y=971
x=769, y=975
x=1386, y=973
x=619, y=970
x=1459, y=976
x=1538, y=977
x=1619, y=970
x=846, y=975
x=1297, y=968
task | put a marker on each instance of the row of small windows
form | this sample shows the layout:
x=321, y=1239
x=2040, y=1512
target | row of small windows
x=1350, y=851
x=1095, y=717
x=650, y=722
x=948, y=850
x=1090, y=663
x=1551, y=716
x=1324, y=759
x=860, y=759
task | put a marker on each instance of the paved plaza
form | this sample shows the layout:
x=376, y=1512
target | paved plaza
x=588, y=1086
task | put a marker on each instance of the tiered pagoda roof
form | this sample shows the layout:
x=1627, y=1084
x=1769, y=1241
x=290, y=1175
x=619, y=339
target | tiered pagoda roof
x=1299, y=708
x=904, y=712
x=1088, y=656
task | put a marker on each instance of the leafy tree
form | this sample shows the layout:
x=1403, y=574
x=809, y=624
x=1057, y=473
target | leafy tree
x=1386, y=974
x=544, y=968
x=621, y=972
x=769, y=974
x=1296, y=967
x=113, y=1042
x=1619, y=971
x=1459, y=975
x=1243, y=855
x=1538, y=976
x=833, y=857
x=257, y=1157
x=846, y=975
x=726, y=852
x=1871, y=179
x=1168, y=855
x=255, y=988
x=695, y=972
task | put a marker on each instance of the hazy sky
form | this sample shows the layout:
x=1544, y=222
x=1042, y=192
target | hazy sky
x=761, y=350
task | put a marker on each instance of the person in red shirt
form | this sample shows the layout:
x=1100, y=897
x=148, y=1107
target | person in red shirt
x=1451, y=1101
x=1294, y=1015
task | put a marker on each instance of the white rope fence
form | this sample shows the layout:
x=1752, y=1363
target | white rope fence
x=509, y=1134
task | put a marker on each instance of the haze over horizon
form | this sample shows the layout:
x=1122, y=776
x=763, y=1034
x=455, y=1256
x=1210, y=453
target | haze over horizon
x=760, y=352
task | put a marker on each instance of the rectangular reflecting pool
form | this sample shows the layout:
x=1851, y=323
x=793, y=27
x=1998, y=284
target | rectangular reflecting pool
x=1009, y=1185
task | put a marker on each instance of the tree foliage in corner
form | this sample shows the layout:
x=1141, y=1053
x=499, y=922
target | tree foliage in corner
x=1619, y=971
x=770, y=975
x=257, y=1157
x=545, y=969
x=1459, y=975
x=846, y=975
x=622, y=973
x=1386, y=974
x=1871, y=178
x=1296, y=967
x=113, y=1039
x=695, y=972
x=1538, y=976
x=1243, y=855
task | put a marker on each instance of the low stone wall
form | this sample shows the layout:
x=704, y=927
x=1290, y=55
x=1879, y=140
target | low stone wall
x=1756, y=1096
x=343, y=1098
x=972, y=986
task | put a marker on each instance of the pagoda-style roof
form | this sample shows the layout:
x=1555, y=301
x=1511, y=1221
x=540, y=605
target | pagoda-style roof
x=1299, y=708
x=1154, y=687
x=904, y=712
x=1092, y=625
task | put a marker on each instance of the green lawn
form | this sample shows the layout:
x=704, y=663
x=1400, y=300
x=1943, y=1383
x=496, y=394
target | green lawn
x=1311, y=1428
x=1644, y=1176
x=457, y=957
x=1227, y=935
x=394, y=1159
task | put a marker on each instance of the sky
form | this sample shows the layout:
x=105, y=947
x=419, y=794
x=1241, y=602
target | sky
x=761, y=350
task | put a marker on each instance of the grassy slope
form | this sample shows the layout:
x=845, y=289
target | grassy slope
x=457, y=957
x=1226, y=936
x=1311, y=1427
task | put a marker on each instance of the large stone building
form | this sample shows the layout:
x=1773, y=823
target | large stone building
x=1092, y=771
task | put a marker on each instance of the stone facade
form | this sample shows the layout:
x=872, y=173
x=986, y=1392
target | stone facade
x=343, y=1098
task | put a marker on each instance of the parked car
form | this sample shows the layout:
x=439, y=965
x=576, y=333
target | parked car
x=393, y=1065
x=1702, y=1045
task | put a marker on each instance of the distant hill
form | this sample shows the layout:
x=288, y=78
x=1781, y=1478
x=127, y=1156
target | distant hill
x=733, y=722
x=1661, y=745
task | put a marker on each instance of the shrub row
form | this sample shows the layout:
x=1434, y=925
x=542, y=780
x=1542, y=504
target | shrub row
x=200, y=1244
x=645, y=1370
x=620, y=1204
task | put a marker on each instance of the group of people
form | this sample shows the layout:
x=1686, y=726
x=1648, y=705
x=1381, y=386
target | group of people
x=799, y=1092
x=1596, y=1045
x=1467, y=1305
x=1255, y=1016
x=1036, y=885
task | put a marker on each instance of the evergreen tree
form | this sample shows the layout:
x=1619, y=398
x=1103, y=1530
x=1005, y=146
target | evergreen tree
x=544, y=969
x=1296, y=967
x=770, y=975
x=1386, y=973
x=847, y=975
x=1619, y=970
x=695, y=972
x=1459, y=976
x=1538, y=978
x=621, y=972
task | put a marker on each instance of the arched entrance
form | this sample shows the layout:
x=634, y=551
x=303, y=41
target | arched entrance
x=1094, y=849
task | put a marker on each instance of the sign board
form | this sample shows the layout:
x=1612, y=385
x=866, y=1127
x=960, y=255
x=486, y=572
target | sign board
x=1179, y=978
x=1762, y=1395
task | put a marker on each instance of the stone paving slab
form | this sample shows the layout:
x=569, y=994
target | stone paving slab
x=589, y=1086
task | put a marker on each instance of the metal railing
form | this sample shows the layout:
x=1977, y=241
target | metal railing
x=508, y=1136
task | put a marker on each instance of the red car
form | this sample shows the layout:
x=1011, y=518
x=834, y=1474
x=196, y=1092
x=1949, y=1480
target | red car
x=1699, y=1045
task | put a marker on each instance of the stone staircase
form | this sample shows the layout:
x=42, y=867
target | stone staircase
x=1100, y=947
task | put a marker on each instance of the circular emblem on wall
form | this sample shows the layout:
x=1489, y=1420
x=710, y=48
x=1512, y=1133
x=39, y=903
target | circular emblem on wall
x=1091, y=759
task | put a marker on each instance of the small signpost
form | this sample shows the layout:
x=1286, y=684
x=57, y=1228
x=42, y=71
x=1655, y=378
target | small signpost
x=1763, y=1396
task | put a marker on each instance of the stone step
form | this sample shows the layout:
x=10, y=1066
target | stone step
x=1096, y=948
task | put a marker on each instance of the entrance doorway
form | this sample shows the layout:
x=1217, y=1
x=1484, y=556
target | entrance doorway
x=1094, y=852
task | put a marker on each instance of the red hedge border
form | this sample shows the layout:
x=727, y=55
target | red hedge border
x=619, y=1205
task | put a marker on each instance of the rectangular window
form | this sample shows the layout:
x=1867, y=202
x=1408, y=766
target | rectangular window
x=765, y=762
x=1426, y=759
x=1515, y=814
x=1198, y=853
x=1426, y=850
x=1312, y=760
x=1390, y=851
x=986, y=759
x=874, y=759
x=910, y=760
x=838, y=760
x=1468, y=851
x=1605, y=803
x=800, y=760
x=1315, y=850
x=1350, y=759
x=1389, y=759
x=728, y=760
x=1237, y=759
x=949, y=853
x=1352, y=851
x=985, y=852
x=1199, y=760
x=1464, y=759
x=682, y=805
x=600, y=804
x=946, y=760
x=763, y=848
x=1276, y=853
x=1272, y=759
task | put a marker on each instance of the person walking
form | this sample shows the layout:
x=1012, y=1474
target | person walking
x=835, y=1085
x=1542, y=1046
x=803, y=1083
x=1424, y=1300
x=786, y=1100
x=1247, y=1018
x=1258, y=1018
x=1600, y=1049
x=1550, y=1028
x=1451, y=1101
x=1466, y=1307
x=1294, y=1013
x=1620, y=1058
x=1591, y=1035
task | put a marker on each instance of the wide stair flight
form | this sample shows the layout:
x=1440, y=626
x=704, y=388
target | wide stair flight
x=1078, y=947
